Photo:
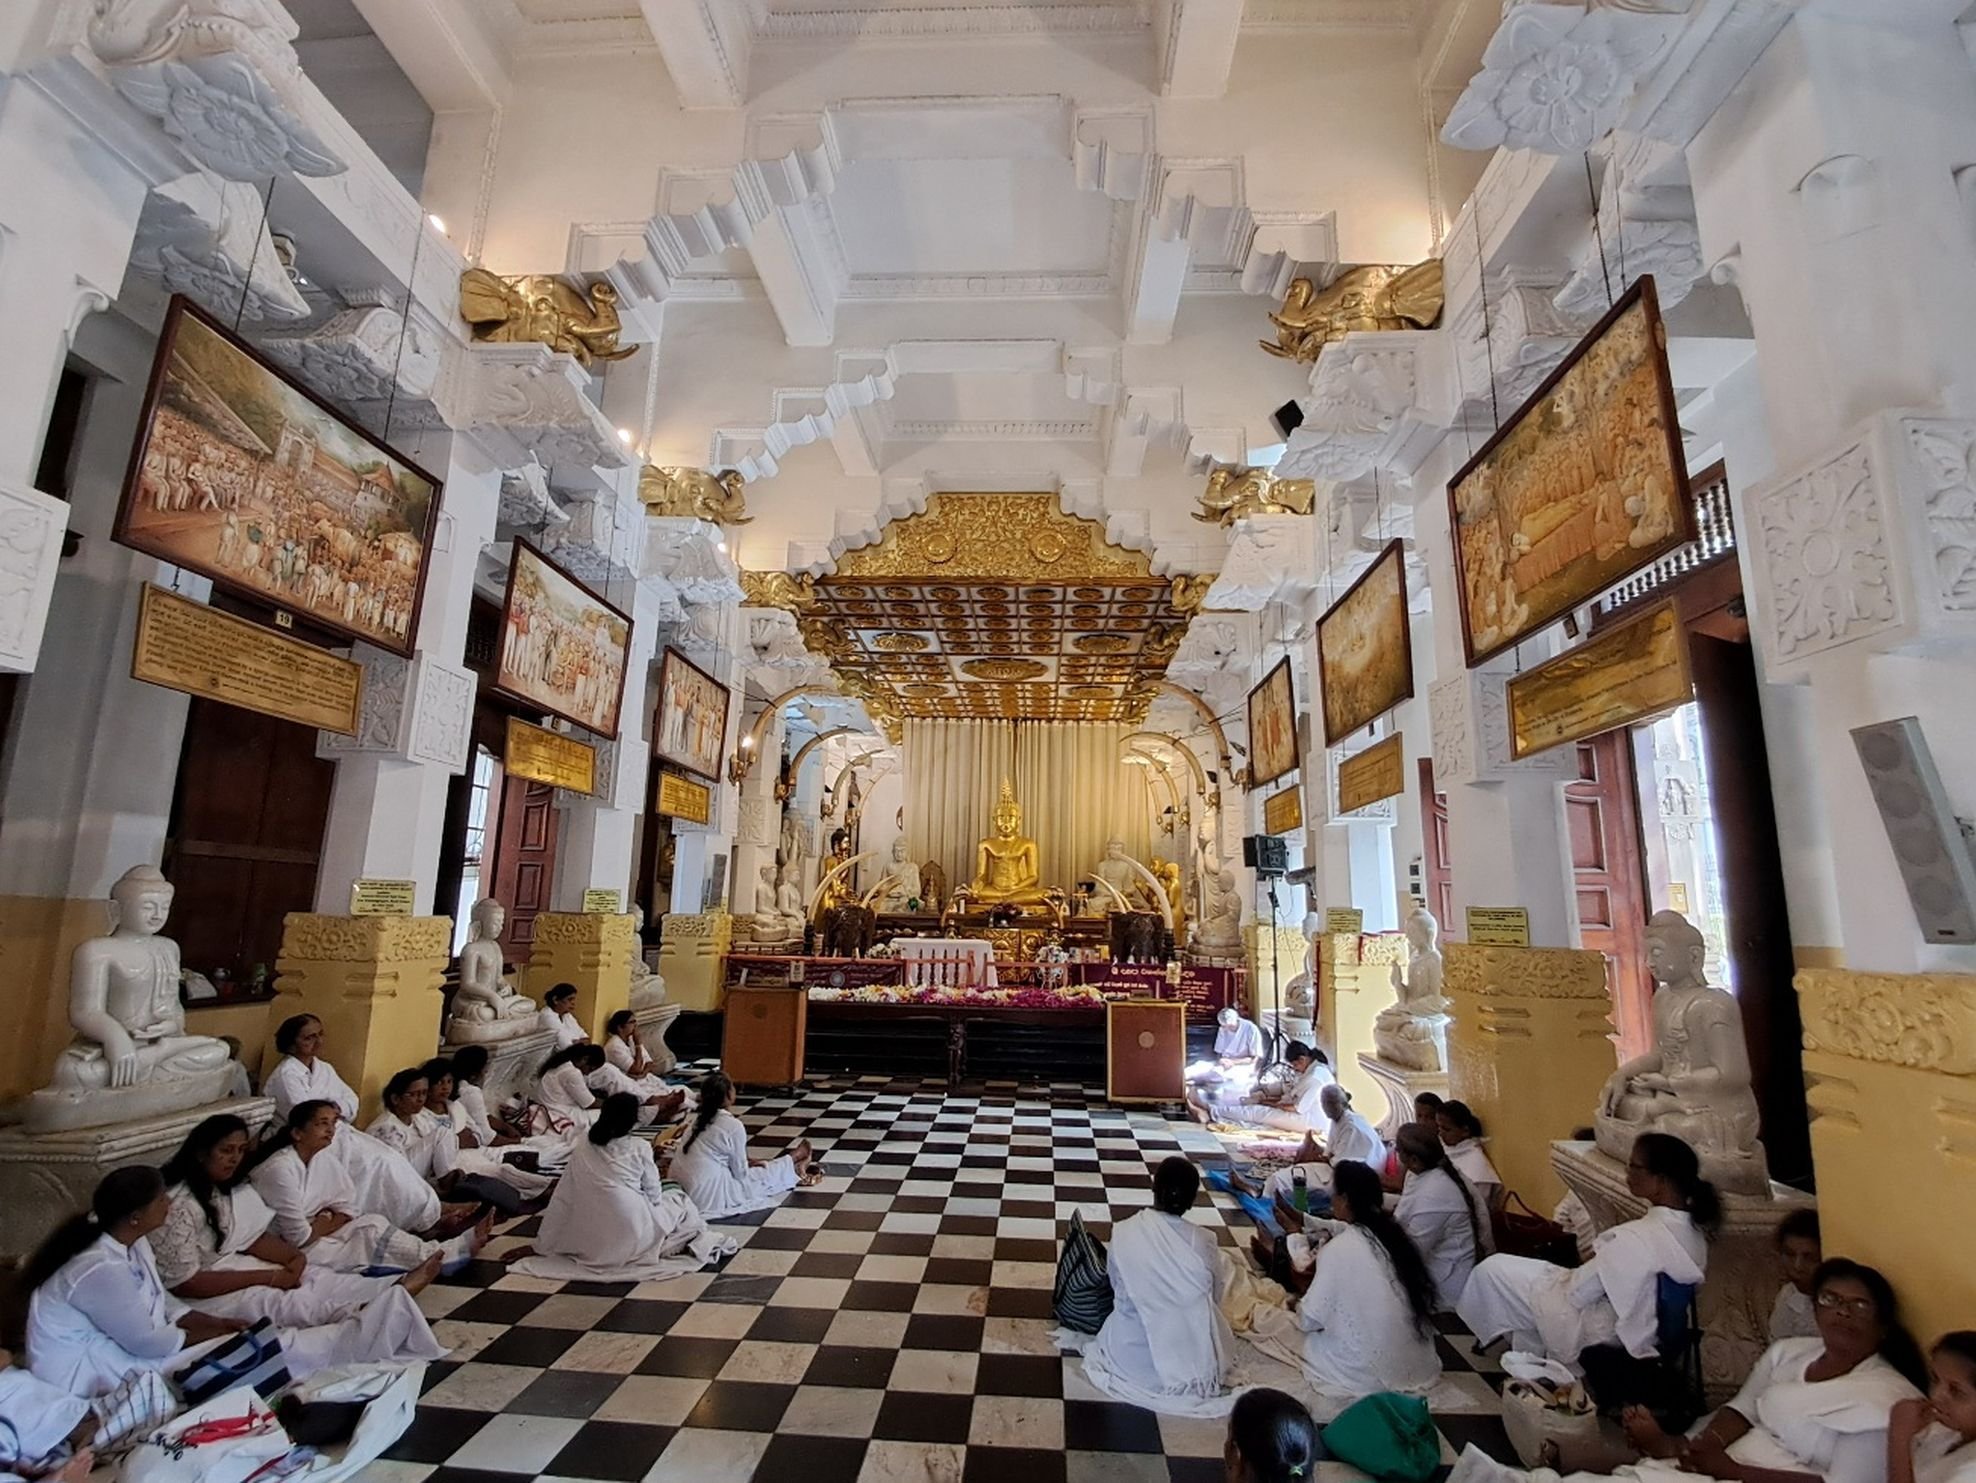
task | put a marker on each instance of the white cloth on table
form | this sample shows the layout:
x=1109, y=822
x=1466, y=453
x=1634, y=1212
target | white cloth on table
x=1793, y=1315
x=1434, y=1210
x=36, y=1418
x=1242, y=1040
x=612, y=1219
x=1357, y=1328
x=102, y=1317
x=563, y=1026
x=1941, y=1456
x=1166, y=1345
x=1473, y=1160
x=947, y=962
x=384, y=1183
x=1300, y=1113
x=713, y=1169
x=298, y=1191
x=1557, y=1312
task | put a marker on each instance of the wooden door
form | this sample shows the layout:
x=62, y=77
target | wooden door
x=524, y=861
x=1603, y=815
x=1437, y=871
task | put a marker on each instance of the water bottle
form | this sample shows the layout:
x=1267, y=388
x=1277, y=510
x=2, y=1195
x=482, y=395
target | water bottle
x=1299, y=1189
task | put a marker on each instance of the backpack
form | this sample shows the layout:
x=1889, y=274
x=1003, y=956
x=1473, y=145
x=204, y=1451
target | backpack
x=1082, y=1298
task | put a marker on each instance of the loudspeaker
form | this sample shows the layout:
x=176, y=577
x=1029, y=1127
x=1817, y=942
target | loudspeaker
x=1266, y=854
x=1288, y=418
x=1928, y=842
x=1145, y=1050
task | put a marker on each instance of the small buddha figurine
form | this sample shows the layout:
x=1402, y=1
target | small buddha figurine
x=789, y=896
x=1116, y=871
x=1413, y=1030
x=1220, y=929
x=1168, y=872
x=904, y=877
x=130, y=1027
x=487, y=1005
x=836, y=892
x=648, y=988
x=1695, y=1082
x=1006, y=872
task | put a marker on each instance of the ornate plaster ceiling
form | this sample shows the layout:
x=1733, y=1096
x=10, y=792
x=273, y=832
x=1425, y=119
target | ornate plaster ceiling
x=996, y=605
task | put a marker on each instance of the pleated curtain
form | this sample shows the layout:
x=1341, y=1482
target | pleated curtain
x=1075, y=792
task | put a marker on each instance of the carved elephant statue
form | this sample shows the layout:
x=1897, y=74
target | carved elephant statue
x=1137, y=937
x=848, y=931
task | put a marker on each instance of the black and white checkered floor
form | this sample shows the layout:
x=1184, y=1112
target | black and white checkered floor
x=891, y=1324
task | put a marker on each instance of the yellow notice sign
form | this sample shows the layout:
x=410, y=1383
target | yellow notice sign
x=1283, y=811
x=544, y=756
x=603, y=903
x=1498, y=926
x=683, y=798
x=1343, y=921
x=372, y=898
x=185, y=645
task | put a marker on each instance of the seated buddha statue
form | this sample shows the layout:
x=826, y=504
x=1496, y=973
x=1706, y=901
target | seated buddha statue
x=1006, y=871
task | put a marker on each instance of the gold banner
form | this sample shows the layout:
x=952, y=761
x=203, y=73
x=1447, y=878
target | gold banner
x=685, y=799
x=1283, y=812
x=1498, y=926
x=544, y=756
x=188, y=646
x=1631, y=673
x=1380, y=771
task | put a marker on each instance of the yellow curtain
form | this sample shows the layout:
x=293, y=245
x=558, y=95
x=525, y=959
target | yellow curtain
x=1075, y=792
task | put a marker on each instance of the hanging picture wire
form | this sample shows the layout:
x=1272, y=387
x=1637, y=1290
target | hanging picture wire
x=404, y=331
x=1598, y=230
x=253, y=256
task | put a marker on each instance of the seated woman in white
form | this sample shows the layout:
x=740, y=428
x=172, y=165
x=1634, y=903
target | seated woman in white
x=1444, y=1216
x=97, y=1313
x=1367, y=1320
x=1166, y=1345
x=1347, y=1135
x=430, y=1145
x=1462, y=1136
x=1296, y=1111
x=1271, y=1439
x=381, y=1182
x=44, y=1431
x=306, y=1186
x=489, y=1128
x=1799, y=1252
x=558, y=1016
x=625, y=1052
x=1238, y=1048
x=1929, y=1441
x=713, y=1166
x=485, y=1164
x=574, y=1082
x=612, y=1219
x=1558, y=1312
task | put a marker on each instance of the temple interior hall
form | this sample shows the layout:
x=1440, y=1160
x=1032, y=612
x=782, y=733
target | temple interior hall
x=936, y=741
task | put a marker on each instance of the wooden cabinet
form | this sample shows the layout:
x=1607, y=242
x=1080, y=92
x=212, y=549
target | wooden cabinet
x=1145, y=1050
x=762, y=1042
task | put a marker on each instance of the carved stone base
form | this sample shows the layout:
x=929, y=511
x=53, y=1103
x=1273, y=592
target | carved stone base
x=691, y=953
x=1401, y=1084
x=46, y=1177
x=1743, y=1275
x=56, y=1110
x=1741, y=1173
x=512, y=1064
x=653, y=1022
x=1418, y=1042
x=490, y=1033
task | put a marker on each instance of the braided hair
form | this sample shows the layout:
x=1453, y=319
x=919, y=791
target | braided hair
x=1366, y=1201
x=1421, y=1143
x=714, y=1092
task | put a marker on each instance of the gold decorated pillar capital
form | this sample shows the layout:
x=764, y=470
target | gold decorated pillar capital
x=693, y=956
x=1529, y=1050
x=592, y=950
x=374, y=982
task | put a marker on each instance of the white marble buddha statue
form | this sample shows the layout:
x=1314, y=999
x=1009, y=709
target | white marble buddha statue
x=1695, y=1082
x=1007, y=871
x=1220, y=928
x=1412, y=1031
x=1116, y=871
x=648, y=988
x=903, y=875
x=774, y=922
x=487, y=1006
x=789, y=895
x=131, y=1057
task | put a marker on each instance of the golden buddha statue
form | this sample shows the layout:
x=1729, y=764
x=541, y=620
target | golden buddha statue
x=1006, y=872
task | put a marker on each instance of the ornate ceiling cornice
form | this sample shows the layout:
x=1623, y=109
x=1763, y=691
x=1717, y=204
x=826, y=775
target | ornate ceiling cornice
x=949, y=22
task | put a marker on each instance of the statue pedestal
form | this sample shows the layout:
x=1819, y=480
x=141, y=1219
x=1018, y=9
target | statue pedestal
x=1528, y=1051
x=690, y=953
x=1401, y=1085
x=592, y=950
x=512, y=1064
x=374, y=982
x=1354, y=983
x=652, y=1026
x=46, y=1177
x=62, y=1109
x=1743, y=1274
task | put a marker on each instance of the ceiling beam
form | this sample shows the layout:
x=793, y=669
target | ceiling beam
x=1195, y=43
x=445, y=48
x=706, y=46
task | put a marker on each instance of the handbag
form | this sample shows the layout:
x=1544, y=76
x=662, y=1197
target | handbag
x=141, y=1403
x=1523, y=1232
x=1388, y=1436
x=1082, y=1297
x=228, y=1439
x=250, y=1358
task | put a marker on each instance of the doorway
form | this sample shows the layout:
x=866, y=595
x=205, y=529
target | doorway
x=1602, y=821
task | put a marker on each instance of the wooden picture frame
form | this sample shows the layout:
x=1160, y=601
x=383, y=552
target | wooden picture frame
x=1272, y=713
x=1378, y=600
x=589, y=610
x=292, y=526
x=678, y=673
x=1623, y=675
x=1621, y=364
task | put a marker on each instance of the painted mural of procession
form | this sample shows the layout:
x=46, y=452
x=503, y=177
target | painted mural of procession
x=563, y=648
x=241, y=476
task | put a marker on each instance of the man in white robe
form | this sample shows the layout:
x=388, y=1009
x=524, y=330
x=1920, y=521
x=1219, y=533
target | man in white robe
x=1347, y=1135
x=1296, y=1111
x=1238, y=1051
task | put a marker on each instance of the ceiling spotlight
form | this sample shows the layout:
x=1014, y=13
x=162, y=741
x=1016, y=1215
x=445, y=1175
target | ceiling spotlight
x=720, y=545
x=438, y=225
x=624, y=436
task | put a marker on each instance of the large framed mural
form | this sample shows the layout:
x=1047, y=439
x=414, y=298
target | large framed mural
x=1585, y=485
x=691, y=725
x=1365, y=648
x=563, y=648
x=1272, y=727
x=242, y=475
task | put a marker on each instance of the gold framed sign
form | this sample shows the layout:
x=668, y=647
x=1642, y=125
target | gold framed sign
x=1283, y=811
x=682, y=798
x=1380, y=771
x=1630, y=673
x=382, y=898
x=1343, y=921
x=545, y=756
x=601, y=901
x=1498, y=926
x=187, y=646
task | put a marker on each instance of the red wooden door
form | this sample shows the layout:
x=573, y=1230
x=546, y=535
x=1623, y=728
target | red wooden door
x=1602, y=811
x=1438, y=876
x=524, y=861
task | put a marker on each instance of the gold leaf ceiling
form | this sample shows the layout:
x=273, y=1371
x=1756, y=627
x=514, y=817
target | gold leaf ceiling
x=996, y=605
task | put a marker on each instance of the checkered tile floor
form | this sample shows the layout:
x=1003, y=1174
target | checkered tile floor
x=891, y=1324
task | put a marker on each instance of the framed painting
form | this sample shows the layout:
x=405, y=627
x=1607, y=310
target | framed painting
x=563, y=648
x=1272, y=727
x=1626, y=674
x=1585, y=485
x=241, y=474
x=691, y=726
x=1365, y=648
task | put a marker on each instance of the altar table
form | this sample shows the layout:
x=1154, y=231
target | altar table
x=947, y=961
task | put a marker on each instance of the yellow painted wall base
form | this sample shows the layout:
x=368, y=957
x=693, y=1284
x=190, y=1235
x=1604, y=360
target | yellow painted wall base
x=247, y=1025
x=692, y=958
x=1890, y=1076
x=37, y=936
x=1528, y=1052
x=1291, y=948
x=592, y=950
x=374, y=982
x=1354, y=984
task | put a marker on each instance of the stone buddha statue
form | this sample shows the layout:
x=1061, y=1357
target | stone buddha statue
x=789, y=895
x=904, y=876
x=1006, y=871
x=777, y=918
x=648, y=988
x=487, y=1006
x=1695, y=1082
x=1116, y=871
x=1412, y=1031
x=131, y=1057
x=1220, y=929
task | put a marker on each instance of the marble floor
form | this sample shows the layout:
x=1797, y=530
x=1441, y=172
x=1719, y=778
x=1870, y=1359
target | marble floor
x=892, y=1323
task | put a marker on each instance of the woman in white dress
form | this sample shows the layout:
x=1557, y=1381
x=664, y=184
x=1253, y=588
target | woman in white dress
x=490, y=1129
x=1238, y=1049
x=381, y=1182
x=1461, y=1134
x=624, y=1050
x=713, y=1166
x=1296, y=1111
x=558, y=1016
x=1559, y=1312
x=430, y=1145
x=1929, y=1441
x=1441, y=1212
x=574, y=1082
x=315, y=1207
x=1166, y=1345
x=1347, y=1135
x=612, y=1219
x=1799, y=1252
